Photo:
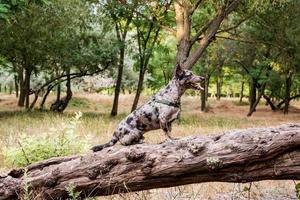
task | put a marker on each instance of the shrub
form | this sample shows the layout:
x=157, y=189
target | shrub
x=61, y=141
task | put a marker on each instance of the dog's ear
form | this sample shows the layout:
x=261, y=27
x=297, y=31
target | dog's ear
x=178, y=70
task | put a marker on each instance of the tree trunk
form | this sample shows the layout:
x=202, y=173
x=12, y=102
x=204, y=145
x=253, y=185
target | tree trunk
x=21, y=100
x=61, y=105
x=219, y=83
x=252, y=93
x=206, y=86
x=261, y=93
x=242, y=92
x=269, y=101
x=288, y=85
x=50, y=87
x=236, y=156
x=27, y=86
x=114, y=110
x=16, y=86
x=121, y=36
x=138, y=90
x=203, y=97
x=145, y=53
x=36, y=96
x=58, y=92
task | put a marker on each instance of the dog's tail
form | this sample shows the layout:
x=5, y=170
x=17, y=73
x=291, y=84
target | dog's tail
x=113, y=141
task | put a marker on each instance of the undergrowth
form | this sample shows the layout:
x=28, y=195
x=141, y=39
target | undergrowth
x=58, y=141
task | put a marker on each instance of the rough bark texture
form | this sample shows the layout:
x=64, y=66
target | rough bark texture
x=235, y=156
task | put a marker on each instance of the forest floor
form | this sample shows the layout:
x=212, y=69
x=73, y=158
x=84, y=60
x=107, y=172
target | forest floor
x=96, y=123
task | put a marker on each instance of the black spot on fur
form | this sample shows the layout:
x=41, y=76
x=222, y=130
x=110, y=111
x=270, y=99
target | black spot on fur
x=128, y=120
x=141, y=126
x=148, y=116
x=168, y=87
x=126, y=131
x=165, y=129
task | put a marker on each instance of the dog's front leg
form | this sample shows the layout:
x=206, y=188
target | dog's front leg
x=166, y=127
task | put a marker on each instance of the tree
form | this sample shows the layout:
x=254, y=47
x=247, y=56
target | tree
x=272, y=43
x=122, y=18
x=62, y=38
x=147, y=34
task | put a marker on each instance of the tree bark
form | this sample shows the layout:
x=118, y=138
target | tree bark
x=58, y=92
x=61, y=105
x=242, y=92
x=206, y=86
x=49, y=88
x=27, y=86
x=219, y=82
x=269, y=101
x=235, y=156
x=16, y=86
x=252, y=92
x=261, y=93
x=21, y=100
x=139, y=89
x=203, y=96
x=288, y=85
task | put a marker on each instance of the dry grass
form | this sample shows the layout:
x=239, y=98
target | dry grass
x=222, y=115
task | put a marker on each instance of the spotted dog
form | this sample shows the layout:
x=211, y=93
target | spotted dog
x=159, y=112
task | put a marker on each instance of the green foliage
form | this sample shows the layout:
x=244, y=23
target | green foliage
x=72, y=193
x=79, y=102
x=59, y=141
x=7, y=7
x=27, y=194
x=297, y=190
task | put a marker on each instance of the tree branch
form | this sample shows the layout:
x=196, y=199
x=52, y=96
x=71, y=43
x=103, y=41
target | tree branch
x=236, y=156
x=210, y=34
x=236, y=25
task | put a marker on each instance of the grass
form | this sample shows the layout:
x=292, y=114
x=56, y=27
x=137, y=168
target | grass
x=222, y=115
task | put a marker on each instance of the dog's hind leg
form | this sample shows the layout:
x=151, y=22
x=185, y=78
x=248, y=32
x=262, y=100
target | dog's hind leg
x=135, y=136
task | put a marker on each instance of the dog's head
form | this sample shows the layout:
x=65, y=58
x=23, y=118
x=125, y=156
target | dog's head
x=187, y=79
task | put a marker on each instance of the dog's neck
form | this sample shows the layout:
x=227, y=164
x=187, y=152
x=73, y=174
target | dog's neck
x=172, y=92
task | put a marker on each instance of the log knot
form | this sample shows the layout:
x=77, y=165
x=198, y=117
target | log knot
x=195, y=148
x=214, y=163
x=134, y=156
x=93, y=173
x=149, y=164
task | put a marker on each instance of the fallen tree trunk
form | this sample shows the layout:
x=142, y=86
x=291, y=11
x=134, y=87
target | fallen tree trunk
x=235, y=156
